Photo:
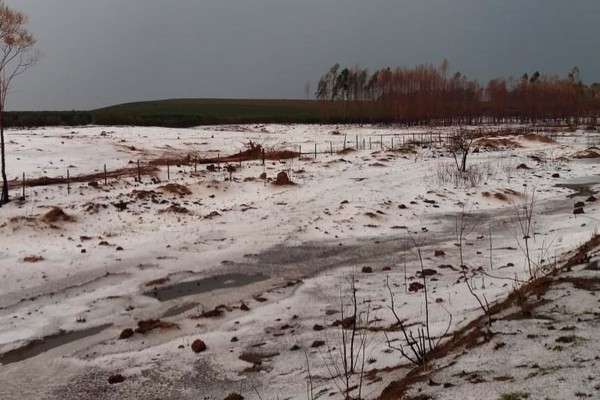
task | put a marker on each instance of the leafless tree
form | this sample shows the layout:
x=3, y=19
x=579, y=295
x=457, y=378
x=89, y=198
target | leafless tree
x=17, y=54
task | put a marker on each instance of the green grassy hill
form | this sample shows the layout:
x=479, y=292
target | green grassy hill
x=194, y=112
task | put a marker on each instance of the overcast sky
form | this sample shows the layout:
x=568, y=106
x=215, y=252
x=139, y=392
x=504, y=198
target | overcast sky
x=103, y=52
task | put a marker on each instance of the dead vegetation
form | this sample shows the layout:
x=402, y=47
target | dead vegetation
x=526, y=298
x=56, y=214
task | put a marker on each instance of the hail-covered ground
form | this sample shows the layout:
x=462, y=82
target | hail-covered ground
x=106, y=285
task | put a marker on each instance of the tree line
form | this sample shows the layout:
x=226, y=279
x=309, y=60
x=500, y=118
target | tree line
x=433, y=95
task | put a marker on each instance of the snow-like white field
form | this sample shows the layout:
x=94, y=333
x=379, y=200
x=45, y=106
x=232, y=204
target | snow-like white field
x=285, y=254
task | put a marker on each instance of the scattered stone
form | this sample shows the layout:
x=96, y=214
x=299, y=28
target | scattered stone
x=556, y=175
x=295, y=348
x=318, y=327
x=244, y=307
x=198, y=346
x=263, y=175
x=317, y=343
x=388, y=268
x=119, y=248
x=415, y=286
x=345, y=323
x=579, y=204
x=578, y=211
x=146, y=326
x=522, y=166
x=93, y=184
x=121, y=205
x=402, y=207
x=234, y=339
x=126, y=333
x=367, y=270
x=116, y=378
x=427, y=272
x=439, y=253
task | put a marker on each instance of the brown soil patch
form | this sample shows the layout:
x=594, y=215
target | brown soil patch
x=33, y=259
x=143, y=194
x=175, y=209
x=56, y=214
x=146, y=326
x=490, y=143
x=534, y=137
x=588, y=153
x=502, y=195
x=172, y=160
x=175, y=188
x=347, y=150
x=121, y=172
x=158, y=281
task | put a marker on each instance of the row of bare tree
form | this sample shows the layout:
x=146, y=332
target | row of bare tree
x=429, y=94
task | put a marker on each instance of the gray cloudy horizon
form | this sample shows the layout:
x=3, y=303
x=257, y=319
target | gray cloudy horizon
x=104, y=52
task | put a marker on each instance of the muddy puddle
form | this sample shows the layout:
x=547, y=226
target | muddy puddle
x=581, y=187
x=226, y=281
x=49, y=342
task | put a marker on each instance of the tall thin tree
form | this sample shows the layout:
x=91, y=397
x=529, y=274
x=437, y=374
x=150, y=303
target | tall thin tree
x=17, y=54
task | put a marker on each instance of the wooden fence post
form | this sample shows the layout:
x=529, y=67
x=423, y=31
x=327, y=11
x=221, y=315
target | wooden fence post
x=68, y=183
x=105, y=179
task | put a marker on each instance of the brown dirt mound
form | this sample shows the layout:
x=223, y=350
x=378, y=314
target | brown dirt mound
x=534, y=137
x=172, y=160
x=490, y=143
x=33, y=259
x=56, y=214
x=282, y=179
x=346, y=150
x=142, y=194
x=176, y=188
x=45, y=180
x=587, y=153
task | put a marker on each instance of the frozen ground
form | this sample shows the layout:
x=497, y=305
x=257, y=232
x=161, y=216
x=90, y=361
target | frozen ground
x=286, y=254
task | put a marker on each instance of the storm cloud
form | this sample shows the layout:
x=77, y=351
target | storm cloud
x=102, y=52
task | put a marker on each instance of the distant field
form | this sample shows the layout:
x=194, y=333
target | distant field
x=192, y=112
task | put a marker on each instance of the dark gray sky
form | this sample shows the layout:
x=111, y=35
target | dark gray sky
x=103, y=52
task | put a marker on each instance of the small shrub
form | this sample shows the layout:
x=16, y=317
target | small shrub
x=514, y=396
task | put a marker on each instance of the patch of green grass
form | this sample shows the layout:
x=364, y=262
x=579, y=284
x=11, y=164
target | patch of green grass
x=514, y=396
